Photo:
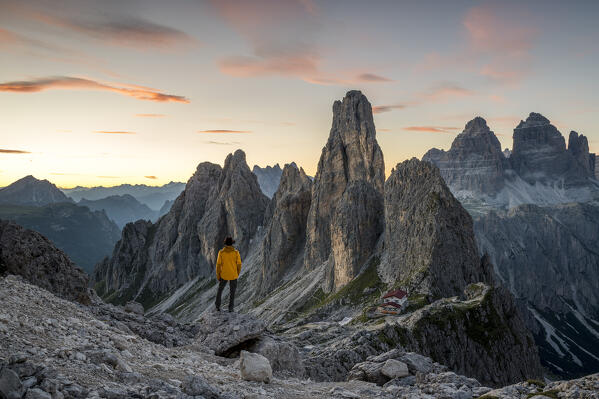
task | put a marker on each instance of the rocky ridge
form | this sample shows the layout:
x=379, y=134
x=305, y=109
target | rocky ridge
x=29, y=254
x=183, y=244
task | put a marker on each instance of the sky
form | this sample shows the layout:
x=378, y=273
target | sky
x=105, y=93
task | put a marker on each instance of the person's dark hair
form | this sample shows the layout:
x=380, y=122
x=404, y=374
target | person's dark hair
x=229, y=241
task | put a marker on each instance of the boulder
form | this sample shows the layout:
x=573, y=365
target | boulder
x=254, y=367
x=197, y=386
x=134, y=307
x=226, y=333
x=10, y=384
x=36, y=393
x=284, y=356
x=394, y=369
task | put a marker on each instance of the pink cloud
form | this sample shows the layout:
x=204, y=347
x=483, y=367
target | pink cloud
x=430, y=129
x=371, y=77
x=72, y=83
x=106, y=23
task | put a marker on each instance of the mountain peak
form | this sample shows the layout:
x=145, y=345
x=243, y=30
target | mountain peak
x=534, y=119
x=476, y=124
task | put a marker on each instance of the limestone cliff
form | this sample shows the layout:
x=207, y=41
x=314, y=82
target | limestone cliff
x=474, y=163
x=285, y=235
x=347, y=195
x=429, y=241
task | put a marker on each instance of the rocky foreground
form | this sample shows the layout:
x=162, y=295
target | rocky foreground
x=53, y=348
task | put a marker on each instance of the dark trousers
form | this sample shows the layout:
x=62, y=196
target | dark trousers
x=232, y=288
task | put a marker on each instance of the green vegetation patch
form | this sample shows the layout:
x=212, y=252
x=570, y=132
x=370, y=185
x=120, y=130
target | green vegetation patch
x=550, y=394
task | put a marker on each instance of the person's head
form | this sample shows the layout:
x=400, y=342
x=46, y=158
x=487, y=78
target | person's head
x=229, y=241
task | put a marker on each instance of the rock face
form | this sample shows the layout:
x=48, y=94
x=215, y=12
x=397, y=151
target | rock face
x=484, y=326
x=475, y=162
x=429, y=240
x=539, y=154
x=348, y=183
x=268, y=178
x=153, y=259
x=32, y=192
x=226, y=333
x=537, y=170
x=30, y=255
x=285, y=221
x=545, y=256
x=122, y=209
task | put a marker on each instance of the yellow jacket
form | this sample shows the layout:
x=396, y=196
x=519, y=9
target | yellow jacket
x=228, y=264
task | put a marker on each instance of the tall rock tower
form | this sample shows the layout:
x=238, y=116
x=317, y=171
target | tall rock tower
x=346, y=214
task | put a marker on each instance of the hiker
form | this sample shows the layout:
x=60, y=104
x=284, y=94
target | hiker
x=228, y=267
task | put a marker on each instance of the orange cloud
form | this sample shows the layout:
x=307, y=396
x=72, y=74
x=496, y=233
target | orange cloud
x=224, y=131
x=430, y=129
x=151, y=177
x=113, y=132
x=379, y=109
x=150, y=115
x=72, y=83
x=13, y=152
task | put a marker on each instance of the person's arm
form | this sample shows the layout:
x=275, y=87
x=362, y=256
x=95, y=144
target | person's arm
x=219, y=266
x=238, y=263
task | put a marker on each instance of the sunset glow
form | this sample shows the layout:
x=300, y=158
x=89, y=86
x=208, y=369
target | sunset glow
x=104, y=93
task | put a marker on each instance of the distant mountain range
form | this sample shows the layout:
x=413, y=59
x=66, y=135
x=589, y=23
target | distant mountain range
x=85, y=235
x=152, y=196
x=122, y=209
x=30, y=191
x=268, y=178
x=536, y=214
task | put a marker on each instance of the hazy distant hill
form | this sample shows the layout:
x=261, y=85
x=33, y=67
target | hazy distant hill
x=122, y=209
x=32, y=191
x=268, y=178
x=153, y=196
x=166, y=207
x=86, y=236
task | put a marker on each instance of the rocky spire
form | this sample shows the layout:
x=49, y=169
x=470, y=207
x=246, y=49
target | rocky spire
x=346, y=218
x=151, y=260
x=578, y=147
x=539, y=152
x=475, y=162
x=285, y=235
x=429, y=239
